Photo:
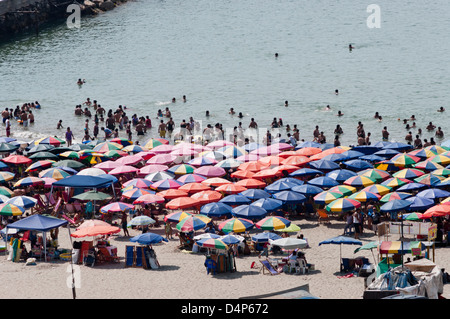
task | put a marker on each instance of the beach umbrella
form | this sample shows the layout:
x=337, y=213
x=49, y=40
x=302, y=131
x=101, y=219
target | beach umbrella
x=364, y=196
x=327, y=197
x=268, y=173
x=440, y=159
x=307, y=144
x=17, y=160
x=69, y=163
x=159, y=176
x=54, y=173
x=255, y=193
x=428, y=165
x=232, y=151
x=422, y=153
x=279, y=185
x=92, y=196
x=207, y=196
x=398, y=146
x=358, y=181
x=341, y=240
x=429, y=179
x=394, y=195
x=8, y=209
x=68, y=154
x=191, y=178
x=132, y=148
x=202, y=161
x=190, y=223
x=95, y=231
x=6, y=176
x=206, y=236
x=43, y=156
x=352, y=154
x=194, y=187
x=433, y=193
x=387, y=153
x=307, y=190
x=289, y=243
x=395, y=205
x=372, y=158
x=412, y=216
x=231, y=239
x=324, y=165
x=5, y=191
x=264, y=237
x=91, y=171
x=229, y=163
x=323, y=182
x=124, y=169
x=386, y=166
x=162, y=159
x=216, y=181
x=80, y=146
x=149, y=169
x=166, y=184
x=210, y=171
x=411, y=187
x=129, y=160
x=116, y=207
x=251, y=183
x=136, y=192
x=216, y=210
x=357, y=165
x=172, y=193
x=138, y=182
x=141, y=221
x=306, y=172
x=290, y=197
x=291, y=229
x=219, y=144
x=273, y=223
x=250, y=212
x=107, y=146
x=92, y=223
x=182, y=203
x=122, y=141
x=420, y=203
x=8, y=148
x=22, y=201
x=253, y=166
x=242, y=174
x=405, y=160
x=344, y=189
x=251, y=146
x=395, y=182
x=376, y=174
x=308, y=151
x=152, y=143
x=218, y=156
x=181, y=169
x=445, y=172
x=343, y=205
x=148, y=239
x=335, y=157
x=29, y=181
x=38, y=148
x=230, y=189
x=235, y=200
x=212, y=243
x=269, y=204
x=149, y=199
x=378, y=189
x=176, y=217
x=236, y=225
x=341, y=175
x=439, y=210
x=296, y=160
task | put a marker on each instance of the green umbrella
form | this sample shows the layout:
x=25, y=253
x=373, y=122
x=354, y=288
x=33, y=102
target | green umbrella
x=69, y=163
x=92, y=195
x=369, y=246
x=43, y=155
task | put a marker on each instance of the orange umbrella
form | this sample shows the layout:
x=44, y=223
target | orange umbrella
x=268, y=173
x=241, y=174
x=194, y=187
x=215, y=181
x=251, y=183
x=253, y=166
x=288, y=168
x=95, y=231
x=270, y=160
x=334, y=150
x=206, y=197
x=172, y=193
x=308, y=151
x=288, y=154
x=295, y=160
x=183, y=202
x=231, y=188
x=437, y=211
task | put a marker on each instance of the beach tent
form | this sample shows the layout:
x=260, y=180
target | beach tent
x=38, y=223
x=341, y=240
x=84, y=181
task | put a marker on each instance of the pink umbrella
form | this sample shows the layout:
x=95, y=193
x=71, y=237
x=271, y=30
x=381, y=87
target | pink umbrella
x=92, y=223
x=162, y=149
x=219, y=144
x=108, y=165
x=163, y=159
x=48, y=181
x=200, y=161
x=145, y=155
x=184, y=152
x=281, y=146
x=191, y=178
x=144, y=171
x=129, y=160
x=248, y=158
x=210, y=171
x=265, y=151
x=124, y=169
x=149, y=199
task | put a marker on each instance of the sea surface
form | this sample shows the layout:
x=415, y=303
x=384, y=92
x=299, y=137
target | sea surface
x=220, y=54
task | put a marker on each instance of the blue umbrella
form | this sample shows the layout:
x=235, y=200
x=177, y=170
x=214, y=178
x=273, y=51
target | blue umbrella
x=372, y=158
x=340, y=175
x=216, y=210
x=395, y=205
x=352, y=154
x=255, y=193
x=341, y=240
x=365, y=149
x=381, y=144
x=279, y=185
x=148, y=239
x=324, y=165
x=250, y=212
x=398, y=146
x=411, y=187
x=358, y=164
x=307, y=190
x=420, y=203
x=326, y=146
x=306, y=172
x=269, y=204
x=230, y=239
x=433, y=193
x=291, y=180
x=290, y=197
x=335, y=157
x=323, y=181
x=307, y=144
x=386, y=153
x=265, y=236
x=235, y=199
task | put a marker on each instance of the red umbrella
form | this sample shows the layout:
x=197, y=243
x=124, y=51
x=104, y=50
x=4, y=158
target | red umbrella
x=194, y=187
x=253, y=166
x=17, y=159
x=242, y=174
x=308, y=151
x=149, y=199
x=209, y=196
x=295, y=160
x=182, y=203
x=231, y=188
x=437, y=211
x=268, y=173
x=173, y=193
x=251, y=183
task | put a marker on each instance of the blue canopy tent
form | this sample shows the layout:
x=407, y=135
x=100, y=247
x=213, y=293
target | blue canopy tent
x=341, y=240
x=85, y=182
x=38, y=223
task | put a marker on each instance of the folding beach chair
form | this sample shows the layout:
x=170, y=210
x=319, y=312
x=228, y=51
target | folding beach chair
x=323, y=216
x=104, y=255
x=267, y=266
x=130, y=256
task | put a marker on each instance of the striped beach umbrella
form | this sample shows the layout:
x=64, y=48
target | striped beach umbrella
x=428, y=165
x=133, y=148
x=343, y=205
x=181, y=169
x=376, y=174
x=49, y=141
x=55, y=173
x=116, y=207
x=138, y=182
x=445, y=172
x=5, y=191
x=364, y=196
x=213, y=243
x=70, y=154
x=236, y=225
x=405, y=160
x=6, y=176
x=22, y=201
x=344, y=189
x=190, y=223
x=7, y=209
x=395, y=182
x=29, y=181
x=191, y=178
x=136, y=192
x=378, y=189
x=429, y=179
x=39, y=165
x=176, y=217
x=327, y=197
x=273, y=223
x=202, y=161
x=107, y=146
x=232, y=151
x=159, y=176
x=408, y=173
x=441, y=159
x=394, y=195
x=152, y=143
x=122, y=141
x=358, y=181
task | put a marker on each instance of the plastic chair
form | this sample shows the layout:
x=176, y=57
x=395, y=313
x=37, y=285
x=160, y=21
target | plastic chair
x=323, y=216
x=302, y=267
x=105, y=256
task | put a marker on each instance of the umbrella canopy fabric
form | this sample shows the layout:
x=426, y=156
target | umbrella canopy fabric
x=231, y=189
x=216, y=210
x=234, y=200
x=307, y=190
x=344, y=189
x=290, y=197
x=166, y=184
x=273, y=223
x=172, y=193
x=341, y=175
x=92, y=195
x=7, y=209
x=236, y=225
x=191, y=178
x=323, y=181
x=210, y=171
x=38, y=222
x=141, y=221
x=231, y=239
x=341, y=240
x=207, y=196
x=306, y=172
x=116, y=207
x=358, y=165
x=343, y=205
x=182, y=202
x=395, y=205
x=190, y=223
x=255, y=194
x=55, y=173
x=420, y=203
x=327, y=197
x=149, y=199
x=214, y=243
x=359, y=181
x=394, y=195
x=251, y=183
x=22, y=201
x=159, y=176
x=264, y=237
x=269, y=204
x=148, y=239
x=194, y=187
x=433, y=193
x=289, y=243
x=250, y=212
x=364, y=196
x=29, y=181
x=95, y=231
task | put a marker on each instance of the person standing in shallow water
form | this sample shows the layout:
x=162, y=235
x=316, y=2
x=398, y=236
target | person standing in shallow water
x=69, y=137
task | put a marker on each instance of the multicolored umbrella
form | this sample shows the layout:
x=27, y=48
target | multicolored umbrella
x=202, y=161
x=428, y=165
x=166, y=184
x=190, y=223
x=440, y=159
x=7, y=209
x=54, y=173
x=39, y=165
x=344, y=189
x=29, y=181
x=273, y=223
x=176, y=217
x=107, y=146
x=49, y=141
x=327, y=197
x=6, y=176
x=138, y=182
x=364, y=196
x=405, y=160
x=343, y=205
x=191, y=178
x=376, y=174
x=70, y=154
x=408, y=173
x=412, y=216
x=236, y=225
x=394, y=195
x=441, y=172
x=5, y=191
x=429, y=179
x=358, y=181
x=136, y=192
x=378, y=189
x=181, y=169
x=395, y=182
x=229, y=163
x=133, y=149
x=142, y=220
x=152, y=143
x=116, y=207
x=22, y=201
x=159, y=176
x=213, y=243
x=121, y=141
x=232, y=151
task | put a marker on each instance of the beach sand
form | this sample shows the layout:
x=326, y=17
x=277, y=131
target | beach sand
x=183, y=275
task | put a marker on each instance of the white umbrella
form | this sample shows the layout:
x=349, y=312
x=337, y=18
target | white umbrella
x=92, y=171
x=206, y=236
x=289, y=243
x=141, y=221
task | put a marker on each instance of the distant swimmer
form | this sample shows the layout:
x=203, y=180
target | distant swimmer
x=286, y=103
x=276, y=55
x=184, y=98
x=207, y=114
x=232, y=112
x=174, y=100
x=240, y=115
x=350, y=47
x=336, y=92
x=81, y=82
x=340, y=113
x=441, y=109
x=327, y=108
x=430, y=126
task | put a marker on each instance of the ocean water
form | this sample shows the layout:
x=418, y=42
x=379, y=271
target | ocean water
x=221, y=54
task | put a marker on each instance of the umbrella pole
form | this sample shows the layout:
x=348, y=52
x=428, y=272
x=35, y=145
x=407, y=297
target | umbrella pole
x=402, y=239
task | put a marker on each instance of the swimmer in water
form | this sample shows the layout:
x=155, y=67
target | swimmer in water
x=173, y=100
x=232, y=112
x=276, y=55
x=441, y=109
x=81, y=82
x=336, y=92
x=327, y=108
x=286, y=103
x=207, y=114
x=184, y=98
x=340, y=113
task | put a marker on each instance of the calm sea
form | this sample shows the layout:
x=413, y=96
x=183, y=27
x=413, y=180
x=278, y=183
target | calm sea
x=220, y=54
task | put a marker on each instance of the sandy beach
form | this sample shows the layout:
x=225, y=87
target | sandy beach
x=181, y=272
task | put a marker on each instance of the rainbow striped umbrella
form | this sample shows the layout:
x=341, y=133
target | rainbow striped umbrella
x=395, y=182
x=136, y=192
x=55, y=173
x=181, y=169
x=49, y=141
x=121, y=141
x=429, y=179
x=378, y=189
x=273, y=223
x=133, y=149
x=408, y=173
x=116, y=207
x=232, y=151
x=166, y=184
x=115, y=154
x=39, y=164
x=364, y=196
x=153, y=142
x=440, y=159
x=236, y=225
x=327, y=197
x=22, y=201
x=6, y=176
x=394, y=195
x=7, y=209
x=344, y=189
x=176, y=217
x=343, y=205
x=422, y=153
x=190, y=223
x=5, y=191
x=29, y=181
x=213, y=243
x=138, y=182
x=436, y=149
x=441, y=172
x=405, y=160
x=107, y=146
x=70, y=154
x=358, y=181
x=428, y=165
x=376, y=174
